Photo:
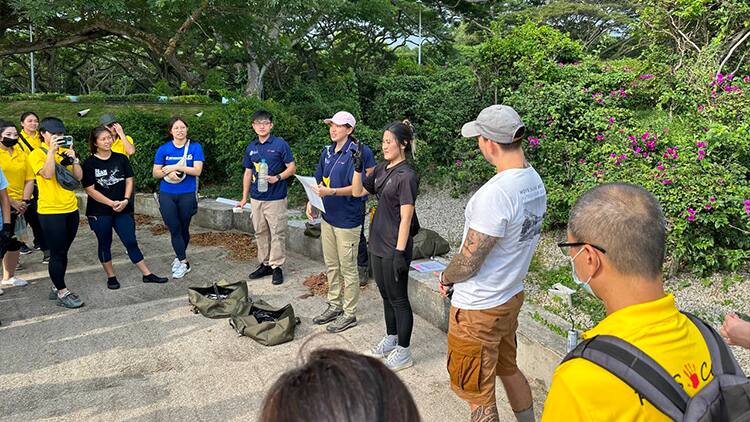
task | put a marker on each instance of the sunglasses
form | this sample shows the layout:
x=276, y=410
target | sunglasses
x=565, y=246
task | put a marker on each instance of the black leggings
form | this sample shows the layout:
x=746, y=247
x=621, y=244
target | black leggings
x=399, y=318
x=124, y=226
x=177, y=210
x=59, y=231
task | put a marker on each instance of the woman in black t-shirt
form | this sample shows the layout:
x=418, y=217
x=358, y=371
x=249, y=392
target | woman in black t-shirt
x=395, y=183
x=108, y=181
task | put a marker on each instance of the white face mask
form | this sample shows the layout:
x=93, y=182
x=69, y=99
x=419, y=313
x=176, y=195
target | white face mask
x=583, y=284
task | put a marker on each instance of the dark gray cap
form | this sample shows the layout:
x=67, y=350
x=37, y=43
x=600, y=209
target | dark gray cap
x=52, y=125
x=498, y=123
x=107, y=119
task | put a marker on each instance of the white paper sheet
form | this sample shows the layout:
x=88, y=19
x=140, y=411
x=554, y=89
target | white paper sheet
x=308, y=183
x=231, y=202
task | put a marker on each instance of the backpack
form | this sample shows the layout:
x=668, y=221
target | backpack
x=220, y=300
x=266, y=324
x=725, y=398
x=428, y=243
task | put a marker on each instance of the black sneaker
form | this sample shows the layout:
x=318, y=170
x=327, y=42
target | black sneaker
x=112, y=283
x=45, y=260
x=36, y=247
x=153, y=278
x=25, y=250
x=262, y=271
x=278, y=276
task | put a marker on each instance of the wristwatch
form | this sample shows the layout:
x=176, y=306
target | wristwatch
x=76, y=161
x=278, y=178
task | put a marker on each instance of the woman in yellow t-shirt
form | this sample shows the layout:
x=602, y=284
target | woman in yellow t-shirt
x=123, y=143
x=28, y=140
x=58, y=207
x=20, y=185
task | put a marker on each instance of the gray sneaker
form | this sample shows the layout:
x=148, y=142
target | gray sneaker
x=342, y=323
x=364, y=278
x=53, y=294
x=328, y=315
x=386, y=346
x=399, y=358
x=69, y=300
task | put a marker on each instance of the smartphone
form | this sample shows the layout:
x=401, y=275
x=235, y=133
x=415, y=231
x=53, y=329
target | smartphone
x=743, y=316
x=65, y=141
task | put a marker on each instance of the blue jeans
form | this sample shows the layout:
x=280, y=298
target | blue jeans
x=177, y=210
x=124, y=225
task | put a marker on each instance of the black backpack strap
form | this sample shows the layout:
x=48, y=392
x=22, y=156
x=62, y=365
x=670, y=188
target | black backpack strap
x=23, y=138
x=637, y=370
x=722, y=360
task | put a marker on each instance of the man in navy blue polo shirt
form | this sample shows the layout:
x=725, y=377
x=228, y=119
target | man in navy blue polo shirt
x=269, y=208
x=342, y=222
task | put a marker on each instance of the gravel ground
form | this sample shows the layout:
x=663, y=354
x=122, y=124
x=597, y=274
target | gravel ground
x=707, y=297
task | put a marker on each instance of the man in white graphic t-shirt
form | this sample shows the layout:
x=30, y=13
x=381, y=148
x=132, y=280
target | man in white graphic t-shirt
x=503, y=224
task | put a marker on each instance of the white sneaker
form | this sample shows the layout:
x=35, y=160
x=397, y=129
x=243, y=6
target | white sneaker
x=1, y=291
x=386, y=346
x=400, y=358
x=13, y=281
x=181, y=270
x=175, y=264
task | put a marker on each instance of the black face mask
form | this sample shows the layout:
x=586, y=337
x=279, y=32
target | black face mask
x=9, y=142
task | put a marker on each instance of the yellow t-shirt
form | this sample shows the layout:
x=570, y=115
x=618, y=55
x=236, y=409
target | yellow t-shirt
x=583, y=391
x=53, y=198
x=34, y=140
x=117, y=145
x=17, y=170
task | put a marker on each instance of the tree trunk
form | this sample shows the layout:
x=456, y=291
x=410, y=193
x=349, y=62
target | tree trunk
x=254, y=85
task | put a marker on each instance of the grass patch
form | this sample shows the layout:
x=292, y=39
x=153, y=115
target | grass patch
x=552, y=326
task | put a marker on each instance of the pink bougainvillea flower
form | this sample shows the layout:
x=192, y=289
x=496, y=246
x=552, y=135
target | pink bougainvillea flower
x=611, y=119
x=746, y=203
x=533, y=142
x=600, y=137
x=708, y=206
x=746, y=79
x=660, y=166
x=701, y=107
x=613, y=155
x=712, y=199
x=645, y=135
x=666, y=182
x=646, y=77
x=581, y=161
x=700, y=144
x=458, y=163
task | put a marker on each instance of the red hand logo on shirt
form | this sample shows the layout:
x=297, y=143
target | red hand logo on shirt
x=689, y=371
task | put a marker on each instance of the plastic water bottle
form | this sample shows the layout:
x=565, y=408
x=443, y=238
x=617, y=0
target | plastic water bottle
x=262, y=173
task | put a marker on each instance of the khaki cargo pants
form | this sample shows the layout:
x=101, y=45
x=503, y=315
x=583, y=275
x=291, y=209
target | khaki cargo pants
x=340, y=256
x=270, y=225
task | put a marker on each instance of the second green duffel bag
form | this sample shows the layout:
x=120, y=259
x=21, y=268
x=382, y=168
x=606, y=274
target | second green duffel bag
x=220, y=300
x=266, y=324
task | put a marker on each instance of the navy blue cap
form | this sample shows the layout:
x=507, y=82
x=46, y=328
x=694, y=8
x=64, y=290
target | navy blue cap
x=52, y=125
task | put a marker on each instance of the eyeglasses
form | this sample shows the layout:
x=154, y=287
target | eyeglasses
x=565, y=246
x=261, y=123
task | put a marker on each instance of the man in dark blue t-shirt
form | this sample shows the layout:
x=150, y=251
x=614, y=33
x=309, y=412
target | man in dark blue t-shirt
x=269, y=207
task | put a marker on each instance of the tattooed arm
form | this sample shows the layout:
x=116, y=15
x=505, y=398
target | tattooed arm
x=465, y=264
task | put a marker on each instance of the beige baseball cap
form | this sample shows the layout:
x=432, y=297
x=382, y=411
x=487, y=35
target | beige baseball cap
x=498, y=123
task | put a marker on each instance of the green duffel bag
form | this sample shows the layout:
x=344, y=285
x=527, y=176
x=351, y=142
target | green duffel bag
x=266, y=324
x=428, y=244
x=220, y=300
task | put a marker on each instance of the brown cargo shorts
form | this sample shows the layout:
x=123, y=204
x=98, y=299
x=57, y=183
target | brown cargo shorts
x=482, y=346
